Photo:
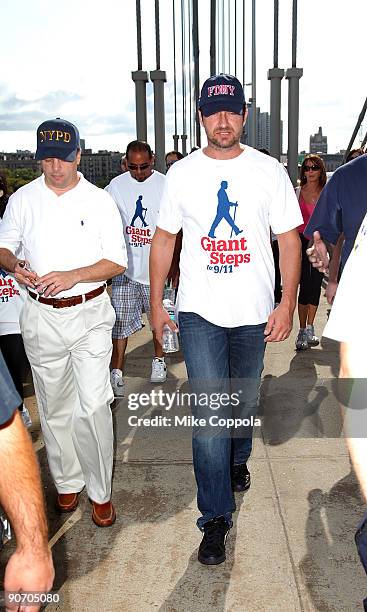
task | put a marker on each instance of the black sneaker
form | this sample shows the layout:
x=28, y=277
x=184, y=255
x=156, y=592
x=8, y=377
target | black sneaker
x=212, y=549
x=240, y=476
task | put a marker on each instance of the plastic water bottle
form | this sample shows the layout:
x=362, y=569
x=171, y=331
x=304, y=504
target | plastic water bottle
x=170, y=342
x=169, y=294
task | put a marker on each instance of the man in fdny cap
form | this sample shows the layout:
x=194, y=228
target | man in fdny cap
x=222, y=100
x=225, y=197
x=71, y=232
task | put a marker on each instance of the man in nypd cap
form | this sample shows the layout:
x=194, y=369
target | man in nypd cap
x=69, y=233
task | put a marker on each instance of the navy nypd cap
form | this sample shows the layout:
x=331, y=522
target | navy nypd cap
x=57, y=138
x=221, y=92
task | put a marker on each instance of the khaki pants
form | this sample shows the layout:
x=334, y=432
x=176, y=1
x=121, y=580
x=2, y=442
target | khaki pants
x=69, y=350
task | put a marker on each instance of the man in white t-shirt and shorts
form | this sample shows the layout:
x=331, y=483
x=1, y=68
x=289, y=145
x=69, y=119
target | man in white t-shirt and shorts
x=226, y=291
x=70, y=234
x=137, y=193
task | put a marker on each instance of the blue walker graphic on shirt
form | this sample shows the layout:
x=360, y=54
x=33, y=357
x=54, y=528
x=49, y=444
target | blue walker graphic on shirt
x=140, y=213
x=223, y=209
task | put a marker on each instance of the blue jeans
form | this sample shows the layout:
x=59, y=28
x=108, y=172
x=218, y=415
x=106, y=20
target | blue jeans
x=221, y=360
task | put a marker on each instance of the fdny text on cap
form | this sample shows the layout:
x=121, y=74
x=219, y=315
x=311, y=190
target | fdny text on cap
x=221, y=90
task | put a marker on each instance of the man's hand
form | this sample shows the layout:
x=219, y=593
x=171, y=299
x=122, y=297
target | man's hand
x=24, y=275
x=159, y=317
x=279, y=324
x=30, y=567
x=30, y=570
x=318, y=253
x=52, y=283
x=330, y=291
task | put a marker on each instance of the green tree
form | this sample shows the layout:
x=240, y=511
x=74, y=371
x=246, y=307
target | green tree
x=19, y=177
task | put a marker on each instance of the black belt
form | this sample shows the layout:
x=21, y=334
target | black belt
x=68, y=301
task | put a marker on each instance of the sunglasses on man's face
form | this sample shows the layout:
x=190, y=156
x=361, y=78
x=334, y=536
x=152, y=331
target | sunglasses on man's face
x=314, y=168
x=144, y=166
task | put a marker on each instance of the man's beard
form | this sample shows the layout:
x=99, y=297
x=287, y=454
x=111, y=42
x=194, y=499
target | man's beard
x=229, y=144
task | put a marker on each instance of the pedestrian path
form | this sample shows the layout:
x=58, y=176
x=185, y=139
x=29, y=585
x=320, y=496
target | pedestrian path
x=291, y=547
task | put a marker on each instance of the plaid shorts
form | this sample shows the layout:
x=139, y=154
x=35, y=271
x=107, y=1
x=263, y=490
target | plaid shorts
x=129, y=299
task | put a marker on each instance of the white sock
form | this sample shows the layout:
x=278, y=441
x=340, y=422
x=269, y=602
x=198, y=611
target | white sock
x=159, y=358
x=116, y=371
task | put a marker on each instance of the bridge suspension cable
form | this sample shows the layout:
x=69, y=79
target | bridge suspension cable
x=190, y=72
x=175, y=136
x=183, y=84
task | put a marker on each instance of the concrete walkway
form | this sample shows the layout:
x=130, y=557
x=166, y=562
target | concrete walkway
x=291, y=547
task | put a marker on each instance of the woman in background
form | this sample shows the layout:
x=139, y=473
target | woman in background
x=313, y=179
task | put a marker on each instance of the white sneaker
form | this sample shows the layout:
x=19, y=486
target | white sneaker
x=118, y=385
x=301, y=342
x=159, y=370
x=312, y=340
x=26, y=417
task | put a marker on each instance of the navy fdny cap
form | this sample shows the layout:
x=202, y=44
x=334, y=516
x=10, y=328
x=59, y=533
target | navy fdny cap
x=57, y=138
x=222, y=92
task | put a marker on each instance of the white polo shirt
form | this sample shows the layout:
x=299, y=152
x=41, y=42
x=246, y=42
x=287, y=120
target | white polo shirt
x=60, y=233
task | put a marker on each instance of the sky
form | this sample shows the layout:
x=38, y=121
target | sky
x=73, y=59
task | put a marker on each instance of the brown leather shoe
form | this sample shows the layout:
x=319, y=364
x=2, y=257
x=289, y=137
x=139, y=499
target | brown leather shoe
x=103, y=515
x=67, y=502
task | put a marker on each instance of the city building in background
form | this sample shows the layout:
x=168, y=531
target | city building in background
x=262, y=130
x=19, y=160
x=318, y=143
x=100, y=168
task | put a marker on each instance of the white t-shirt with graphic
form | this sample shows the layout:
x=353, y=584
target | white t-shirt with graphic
x=348, y=314
x=226, y=209
x=12, y=298
x=138, y=203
